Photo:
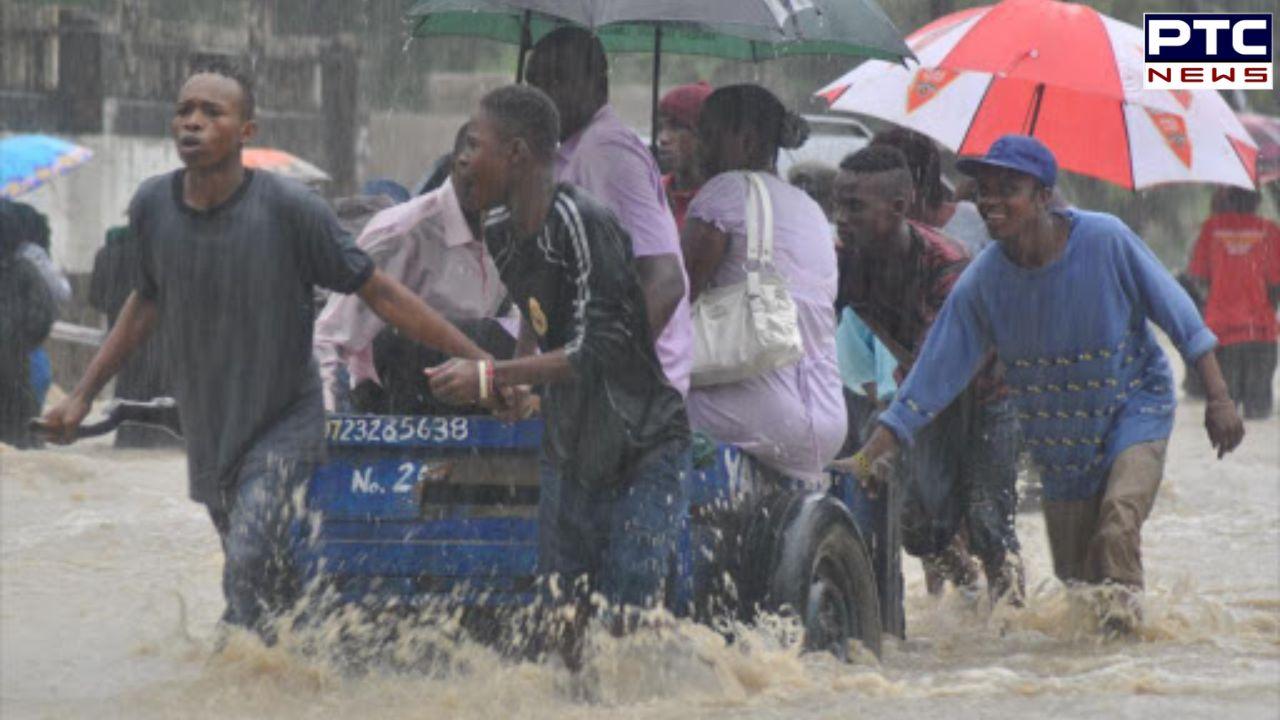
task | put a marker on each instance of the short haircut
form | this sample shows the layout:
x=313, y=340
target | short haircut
x=228, y=69
x=525, y=112
x=875, y=159
x=579, y=47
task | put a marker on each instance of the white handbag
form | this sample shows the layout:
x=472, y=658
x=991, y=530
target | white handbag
x=748, y=328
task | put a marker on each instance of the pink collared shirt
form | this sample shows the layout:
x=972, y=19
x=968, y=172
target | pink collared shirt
x=426, y=245
x=609, y=160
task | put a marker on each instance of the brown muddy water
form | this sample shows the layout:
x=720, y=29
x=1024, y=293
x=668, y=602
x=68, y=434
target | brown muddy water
x=109, y=594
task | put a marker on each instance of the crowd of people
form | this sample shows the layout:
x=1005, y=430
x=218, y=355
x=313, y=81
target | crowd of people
x=554, y=267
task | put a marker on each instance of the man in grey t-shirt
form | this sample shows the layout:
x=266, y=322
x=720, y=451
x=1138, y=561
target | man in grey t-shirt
x=228, y=260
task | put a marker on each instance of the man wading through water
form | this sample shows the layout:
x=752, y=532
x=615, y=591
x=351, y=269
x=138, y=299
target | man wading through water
x=227, y=261
x=616, y=451
x=961, y=471
x=1064, y=302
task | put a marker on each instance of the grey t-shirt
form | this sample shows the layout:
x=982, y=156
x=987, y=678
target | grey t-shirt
x=967, y=226
x=233, y=285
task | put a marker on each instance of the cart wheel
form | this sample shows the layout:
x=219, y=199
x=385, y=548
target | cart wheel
x=824, y=575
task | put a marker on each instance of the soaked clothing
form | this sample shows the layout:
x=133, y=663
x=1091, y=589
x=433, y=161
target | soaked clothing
x=1082, y=365
x=621, y=538
x=576, y=286
x=427, y=246
x=1248, y=369
x=793, y=418
x=1099, y=539
x=233, y=285
x=608, y=160
x=962, y=472
x=27, y=312
x=907, y=309
x=1239, y=257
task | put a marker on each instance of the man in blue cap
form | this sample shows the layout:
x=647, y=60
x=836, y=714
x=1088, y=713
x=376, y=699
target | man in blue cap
x=1064, y=302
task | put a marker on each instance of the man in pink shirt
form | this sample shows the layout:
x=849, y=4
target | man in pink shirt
x=432, y=248
x=600, y=153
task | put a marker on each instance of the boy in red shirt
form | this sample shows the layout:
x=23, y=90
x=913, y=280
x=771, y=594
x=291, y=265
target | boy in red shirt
x=1237, y=260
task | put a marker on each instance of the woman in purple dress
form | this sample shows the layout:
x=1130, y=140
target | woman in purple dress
x=791, y=419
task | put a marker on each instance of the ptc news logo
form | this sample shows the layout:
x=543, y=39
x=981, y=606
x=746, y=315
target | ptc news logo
x=1208, y=51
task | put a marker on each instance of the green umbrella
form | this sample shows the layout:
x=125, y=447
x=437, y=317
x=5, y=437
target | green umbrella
x=731, y=29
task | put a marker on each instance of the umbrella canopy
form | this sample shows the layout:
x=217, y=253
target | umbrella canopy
x=1266, y=132
x=283, y=163
x=731, y=29
x=1064, y=73
x=29, y=161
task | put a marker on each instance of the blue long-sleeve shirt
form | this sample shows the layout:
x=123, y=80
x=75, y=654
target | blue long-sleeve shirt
x=1081, y=362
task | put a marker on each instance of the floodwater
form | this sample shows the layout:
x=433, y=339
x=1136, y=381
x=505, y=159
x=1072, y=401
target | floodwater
x=109, y=593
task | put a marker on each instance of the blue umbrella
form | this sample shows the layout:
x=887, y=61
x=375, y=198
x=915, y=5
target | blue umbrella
x=29, y=161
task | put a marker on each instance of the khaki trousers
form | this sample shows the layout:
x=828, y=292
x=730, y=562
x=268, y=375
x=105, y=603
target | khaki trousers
x=1100, y=539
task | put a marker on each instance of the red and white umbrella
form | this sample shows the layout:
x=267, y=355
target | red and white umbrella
x=283, y=163
x=1062, y=72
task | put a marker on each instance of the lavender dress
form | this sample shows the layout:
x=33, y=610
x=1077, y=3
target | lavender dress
x=792, y=419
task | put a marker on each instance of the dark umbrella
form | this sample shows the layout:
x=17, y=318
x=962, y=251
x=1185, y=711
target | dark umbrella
x=731, y=29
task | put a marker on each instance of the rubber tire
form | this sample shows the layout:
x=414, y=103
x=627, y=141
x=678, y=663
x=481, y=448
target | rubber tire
x=823, y=574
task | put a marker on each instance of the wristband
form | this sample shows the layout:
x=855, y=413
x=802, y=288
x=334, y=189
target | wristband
x=483, y=377
x=489, y=376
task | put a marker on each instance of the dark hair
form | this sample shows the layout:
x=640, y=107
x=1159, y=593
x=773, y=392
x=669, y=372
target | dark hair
x=228, y=69
x=747, y=105
x=30, y=225
x=923, y=160
x=1231, y=199
x=875, y=158
x=579, y=45
x=9, y=240
x=527, y=113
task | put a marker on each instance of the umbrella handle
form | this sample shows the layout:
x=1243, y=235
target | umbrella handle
x=657, y=76
x=526, y=41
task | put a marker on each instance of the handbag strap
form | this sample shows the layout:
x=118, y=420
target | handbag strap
x=759, y=230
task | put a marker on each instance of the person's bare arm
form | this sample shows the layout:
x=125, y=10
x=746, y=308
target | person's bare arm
x=458, y=382
x=1221, y=420
x=134, y=325
x=704, y=246
x=397, y=306
x=662, y=282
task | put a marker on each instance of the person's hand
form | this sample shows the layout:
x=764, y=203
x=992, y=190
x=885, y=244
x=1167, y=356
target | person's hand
x=1224, y=425
x=62, y=420
x=516, y=403
x=872, y=475
x=456, y=381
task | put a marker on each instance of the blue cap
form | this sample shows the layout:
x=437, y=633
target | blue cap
x=1015, y=152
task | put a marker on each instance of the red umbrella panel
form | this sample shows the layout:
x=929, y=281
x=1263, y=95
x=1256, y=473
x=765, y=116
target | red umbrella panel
x=1064, y=73
x=1266, y=132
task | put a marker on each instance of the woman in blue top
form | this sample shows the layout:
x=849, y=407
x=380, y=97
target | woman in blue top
x=1064, y=300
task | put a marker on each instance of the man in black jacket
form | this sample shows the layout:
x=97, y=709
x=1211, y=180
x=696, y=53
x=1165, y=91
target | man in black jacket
x=616, y=453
